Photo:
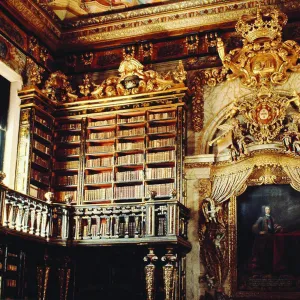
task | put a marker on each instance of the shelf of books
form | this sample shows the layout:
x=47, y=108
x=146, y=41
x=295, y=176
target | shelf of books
x=125, y=156
x=67, y=159
x=34, y=152
x=11, y=272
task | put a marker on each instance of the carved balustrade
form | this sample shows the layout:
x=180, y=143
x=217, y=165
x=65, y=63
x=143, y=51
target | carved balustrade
x=24, y=214
x=129, y=221
x=59, y=222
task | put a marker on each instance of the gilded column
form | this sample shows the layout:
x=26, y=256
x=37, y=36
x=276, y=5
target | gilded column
x=170, y=275
x=151, y=258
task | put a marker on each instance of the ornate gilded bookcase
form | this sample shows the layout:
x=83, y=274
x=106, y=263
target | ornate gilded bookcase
x=110, y=167
x=251, y=149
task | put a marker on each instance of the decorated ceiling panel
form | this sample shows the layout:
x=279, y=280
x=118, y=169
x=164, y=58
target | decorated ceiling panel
x=68, y=9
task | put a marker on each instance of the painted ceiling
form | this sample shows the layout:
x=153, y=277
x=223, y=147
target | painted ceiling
x=68, y=9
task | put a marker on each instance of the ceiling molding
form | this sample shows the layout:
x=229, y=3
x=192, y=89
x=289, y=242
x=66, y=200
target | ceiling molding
x=170, y=19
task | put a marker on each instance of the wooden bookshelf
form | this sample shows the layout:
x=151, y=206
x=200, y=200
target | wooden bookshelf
x=124, y=156
x=129, y=151
x=66, y=159
x=35, y=147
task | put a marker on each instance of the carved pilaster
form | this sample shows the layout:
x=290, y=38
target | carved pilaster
x=170, y=274
x=151, y=258
x=64, y=274
x=197, y=103
x=42, y=280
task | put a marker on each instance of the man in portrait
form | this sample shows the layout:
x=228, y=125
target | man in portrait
x=262, y=254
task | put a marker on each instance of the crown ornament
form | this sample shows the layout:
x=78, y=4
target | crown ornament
x=264, y=25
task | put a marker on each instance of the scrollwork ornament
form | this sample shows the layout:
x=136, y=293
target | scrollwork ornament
x=87, y=58
x=58, y=88
x=34, y=73
x=85, y=87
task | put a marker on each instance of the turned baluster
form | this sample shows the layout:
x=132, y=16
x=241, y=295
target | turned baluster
x=126, y=229
x=10, y=222
x=38, y=221
x=32, y=219
x=137, y=227
x=117, y=227
x=89, y=227
x=98, y=226
x=107, y=227
x=20, y=216
x=25, y=219
x=65, y=223
x=44, y=222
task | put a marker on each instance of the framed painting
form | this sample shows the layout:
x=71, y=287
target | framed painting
x=265, y=241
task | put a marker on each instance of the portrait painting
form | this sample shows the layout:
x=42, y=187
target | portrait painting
x=268, y=239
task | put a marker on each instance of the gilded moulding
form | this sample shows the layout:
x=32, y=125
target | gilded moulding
x=157, y=25
x=36, y=19
x=211, y=77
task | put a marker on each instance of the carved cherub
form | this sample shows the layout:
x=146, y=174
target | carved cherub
x=217, y=241
x=210, y=281
x=129, y=67
x=210, y=210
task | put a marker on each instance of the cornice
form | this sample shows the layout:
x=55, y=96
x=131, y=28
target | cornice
x=142, y=12
x=35, y=18
x=147, y=22
x=161, y=20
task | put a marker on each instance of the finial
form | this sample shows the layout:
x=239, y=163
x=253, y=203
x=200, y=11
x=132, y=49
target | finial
x=49, y=196
x=2, y=176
